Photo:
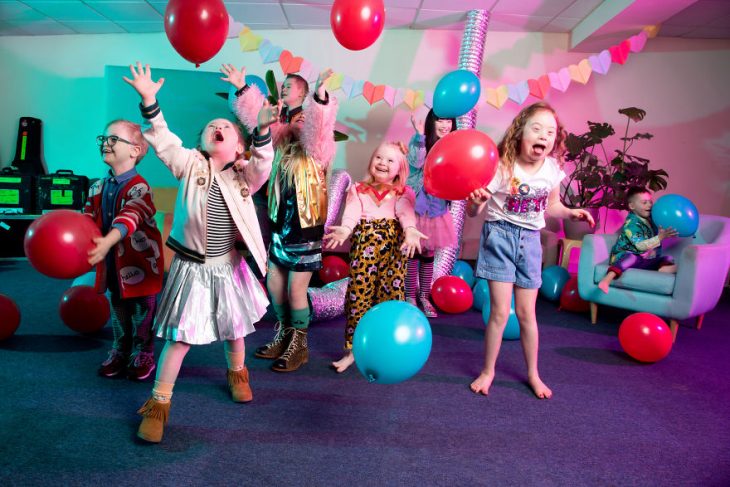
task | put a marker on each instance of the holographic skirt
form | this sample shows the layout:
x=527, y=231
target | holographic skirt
x=298, y=257
x=203, y=303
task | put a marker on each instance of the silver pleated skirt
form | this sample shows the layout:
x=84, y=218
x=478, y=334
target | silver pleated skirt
x=203, y=303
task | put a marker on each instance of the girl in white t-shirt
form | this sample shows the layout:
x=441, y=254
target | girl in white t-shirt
x=527, y=185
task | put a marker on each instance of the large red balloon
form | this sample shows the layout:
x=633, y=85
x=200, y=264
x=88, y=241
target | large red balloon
x=452, y=294
x=9, y=317
x=197, y=29
x=83, y=309
x=570, y=298
x=459, y=163
x=58, y=243
x=356, y=24
x=333, y=269
x=645, y=337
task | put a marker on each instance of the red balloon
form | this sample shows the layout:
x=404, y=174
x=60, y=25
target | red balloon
x=333, y=269
x=58, y=243
x=9, y=317
x=356, y=24
x=570, y=298
x=459, y=163
x=452, y=294
x=645, y=337
x=197, y=29
x=83, y=309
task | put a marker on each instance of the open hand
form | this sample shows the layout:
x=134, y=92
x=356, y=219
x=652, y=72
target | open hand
x=320, y=87
x=233, y=75
x=336, y=236
x=412, y=242
x=142, y=82
x=479, y=196
x=667, y=232
x=267, y=115
x=419, y=125
x=582, y=215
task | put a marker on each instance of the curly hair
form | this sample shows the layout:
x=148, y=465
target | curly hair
x=511, y=143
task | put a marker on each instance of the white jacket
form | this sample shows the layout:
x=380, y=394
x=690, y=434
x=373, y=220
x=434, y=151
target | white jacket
x=238, y=182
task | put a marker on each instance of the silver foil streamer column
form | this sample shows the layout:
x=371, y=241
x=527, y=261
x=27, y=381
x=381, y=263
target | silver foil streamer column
x=329, y=301
x=470, y=59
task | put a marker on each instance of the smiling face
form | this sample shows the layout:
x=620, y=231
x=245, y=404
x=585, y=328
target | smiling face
x=641, y=204
x=221, y=139
x=538, y=137
x=385, y=164
x=120, y=155
x=443, y=127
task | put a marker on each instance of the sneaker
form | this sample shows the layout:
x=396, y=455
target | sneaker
x=428, y=308
x=141, y=366
x=114, y=365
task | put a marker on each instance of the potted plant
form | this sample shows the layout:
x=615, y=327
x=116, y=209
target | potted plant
x=599, y=181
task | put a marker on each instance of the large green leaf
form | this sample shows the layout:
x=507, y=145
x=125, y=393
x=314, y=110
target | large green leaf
x=635, y=114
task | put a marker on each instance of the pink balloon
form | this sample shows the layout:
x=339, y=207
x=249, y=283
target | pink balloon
x=197, y=29
x=452, y=294
x=356, y=24
x=645, y=337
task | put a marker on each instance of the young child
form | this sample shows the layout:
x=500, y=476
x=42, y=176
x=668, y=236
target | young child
x=526, y=186
x=379, y=215
x=433, y=217
x=639, y=244
x=210, y=293
x=121, y=206
x=297, y=194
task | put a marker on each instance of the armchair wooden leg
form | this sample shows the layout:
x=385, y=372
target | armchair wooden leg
x=674, y=326
x=594, y=313
x=698, y=322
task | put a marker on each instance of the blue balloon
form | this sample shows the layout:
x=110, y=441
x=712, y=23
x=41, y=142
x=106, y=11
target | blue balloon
x=512, y=330
x=88, y=279
x=252, y=79
x=677, y=212
x=456, y=93
x=554, y=279
x=392, y=342
x=481, y=294
x=463, y=270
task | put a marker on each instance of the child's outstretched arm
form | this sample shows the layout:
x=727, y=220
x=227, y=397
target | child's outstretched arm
x=258, y=168
x=319, y=124
x=142, y=82
x=406, y=214
x=248, y=98
x=477, y=199
x=556, y=209
x=417, y=145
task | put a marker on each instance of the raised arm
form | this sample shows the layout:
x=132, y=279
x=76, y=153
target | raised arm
x=319, y=124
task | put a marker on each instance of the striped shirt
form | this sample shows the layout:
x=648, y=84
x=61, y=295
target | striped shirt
x=221, y=229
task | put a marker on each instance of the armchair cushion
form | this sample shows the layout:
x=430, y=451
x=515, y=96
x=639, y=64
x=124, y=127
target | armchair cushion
x=640, y=280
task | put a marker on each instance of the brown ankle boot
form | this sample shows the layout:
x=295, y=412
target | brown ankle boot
x=154, y=417
x=295, y=355
x=276, y=347
x=239, y=386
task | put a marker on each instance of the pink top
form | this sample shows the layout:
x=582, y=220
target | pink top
x=364, y=202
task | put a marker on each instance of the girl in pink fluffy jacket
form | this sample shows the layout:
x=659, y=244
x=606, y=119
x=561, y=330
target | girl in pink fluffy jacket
x=297, y=203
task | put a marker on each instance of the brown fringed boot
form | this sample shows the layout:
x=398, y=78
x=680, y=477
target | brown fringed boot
x=154, y=418
x=239, y=386
x=295, y=355
x=276, y=347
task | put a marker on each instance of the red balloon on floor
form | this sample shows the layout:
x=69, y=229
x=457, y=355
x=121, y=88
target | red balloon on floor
x=645, y=337
x=452, y=294
x=459, y=163
x=333, y=269
x=570, y=299
x=9, y=317
x=197, y=29
x=356, y=24
x=83, y=309
x=58, y=243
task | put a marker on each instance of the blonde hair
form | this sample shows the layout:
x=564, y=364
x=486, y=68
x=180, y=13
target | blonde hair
x=292, y=156
x=134, y=132
x=400, y=180
x=510, y=145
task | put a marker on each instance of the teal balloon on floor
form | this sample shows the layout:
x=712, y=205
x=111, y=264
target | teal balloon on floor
x=463, y=270
x=554, y=279
x=392, y=342
x=512, y=330
x=481, y=294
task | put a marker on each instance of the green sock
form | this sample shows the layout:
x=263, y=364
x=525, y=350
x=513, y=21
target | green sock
x=300, y=318
x=282, y=313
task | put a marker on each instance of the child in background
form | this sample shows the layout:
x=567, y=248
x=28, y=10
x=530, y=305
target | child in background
x=121, y=206
x=639, y=244
x=297, y=196
x=433, y=217
x=210, y=293
x=526, y=186
x=379, y=215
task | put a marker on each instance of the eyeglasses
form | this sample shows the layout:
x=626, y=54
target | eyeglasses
x=111, y=140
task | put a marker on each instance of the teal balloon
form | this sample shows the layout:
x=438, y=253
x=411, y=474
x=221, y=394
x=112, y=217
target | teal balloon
x=392, y=342
x=677, y=212
x=252, y=79
x=512, y=330
x=463, y=270
x=88, y=279
x=554, y=279
x=480, y=293
x=456, y=93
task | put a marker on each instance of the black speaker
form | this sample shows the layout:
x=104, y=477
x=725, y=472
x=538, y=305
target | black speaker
x=29, y=147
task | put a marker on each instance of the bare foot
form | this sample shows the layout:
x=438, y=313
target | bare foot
x=603, y=286
x=341, y=365
x=482, y=383
x=539, y=388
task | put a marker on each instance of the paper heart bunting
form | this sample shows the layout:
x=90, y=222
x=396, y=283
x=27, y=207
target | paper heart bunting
x=373, y=93
x=399, y=96
x=518, y=92
x=581, y=72
x=389, y=95
x=637, y=42
x=620, y=52
x=289, y=63
x=269, y=52
x=357, y=88
x=335, y=81
x=248, y=40
x=560, y=80
x=539, y=87
x=497, y=97
x=601, y=62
